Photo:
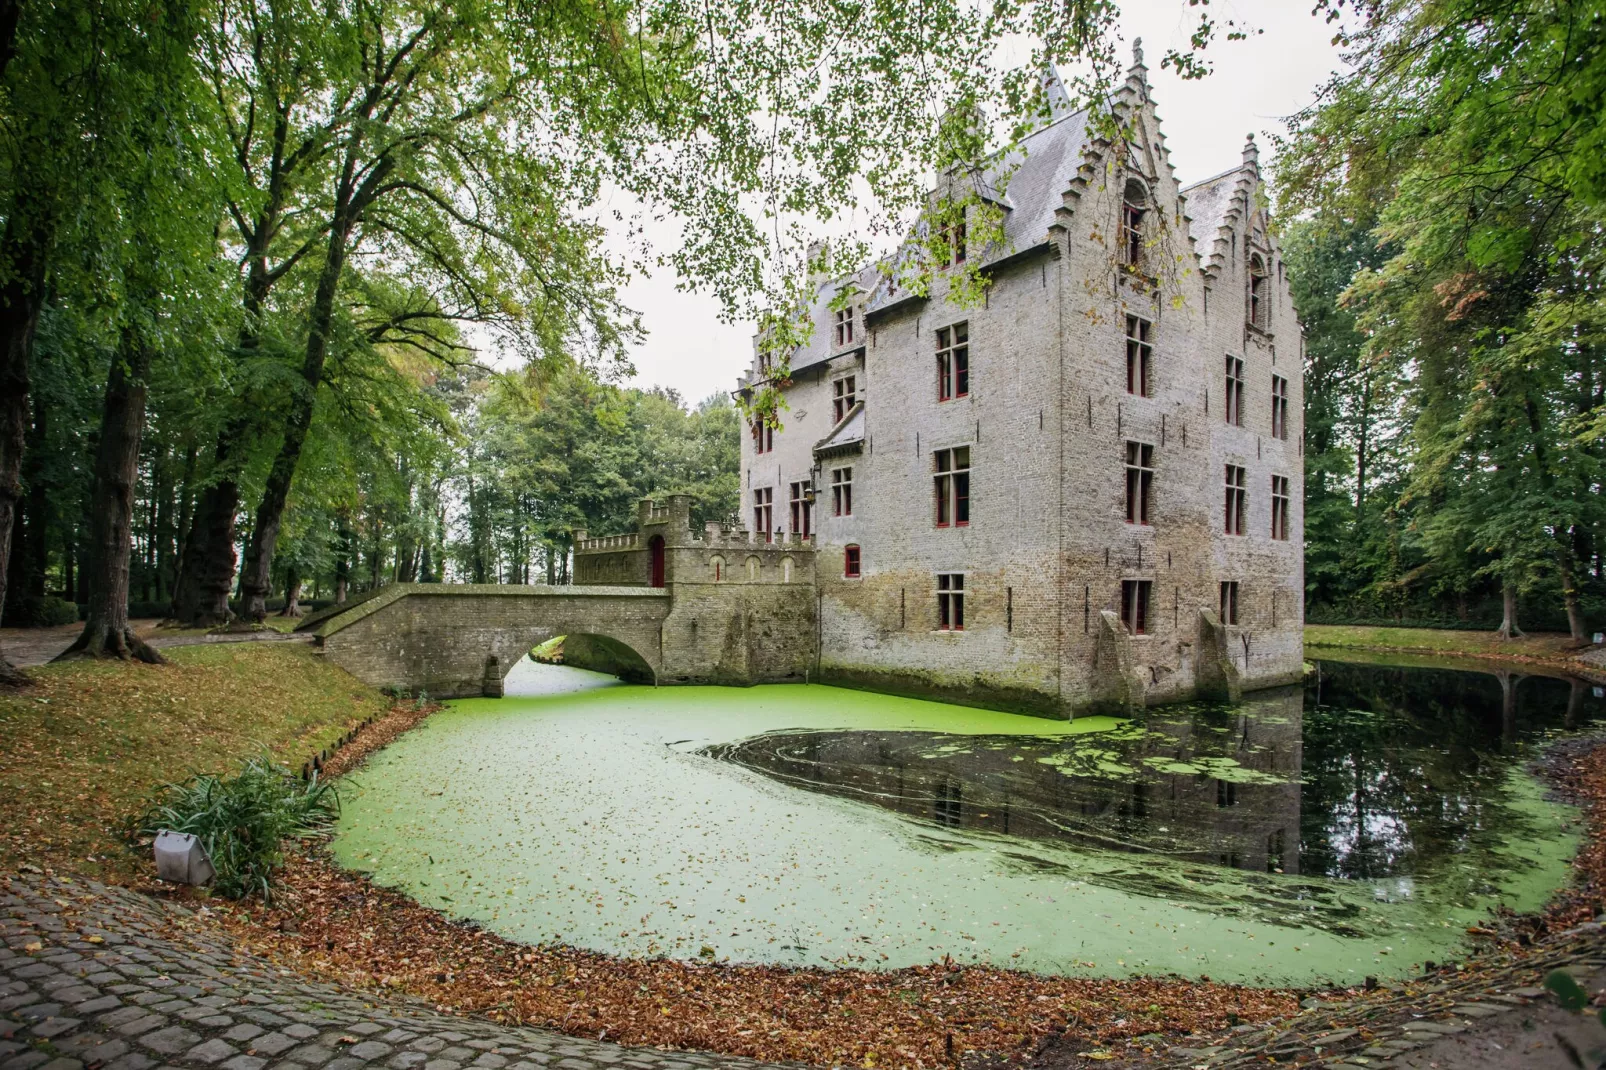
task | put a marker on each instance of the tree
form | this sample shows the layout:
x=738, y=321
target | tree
x=1472, y=131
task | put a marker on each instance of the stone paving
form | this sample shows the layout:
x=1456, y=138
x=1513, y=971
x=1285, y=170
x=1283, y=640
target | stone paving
x=98, y=978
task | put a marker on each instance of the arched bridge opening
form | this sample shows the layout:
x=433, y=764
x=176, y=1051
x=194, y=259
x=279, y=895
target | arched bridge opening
x=605, y=654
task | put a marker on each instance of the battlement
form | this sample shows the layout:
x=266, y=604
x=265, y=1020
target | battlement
x=663, y=550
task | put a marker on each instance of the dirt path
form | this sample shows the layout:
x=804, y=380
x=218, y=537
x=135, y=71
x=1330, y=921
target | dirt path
x=36, y=646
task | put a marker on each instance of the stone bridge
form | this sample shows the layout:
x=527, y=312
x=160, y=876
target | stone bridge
x=658, y=606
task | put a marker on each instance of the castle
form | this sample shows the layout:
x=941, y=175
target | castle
x=1082, y=491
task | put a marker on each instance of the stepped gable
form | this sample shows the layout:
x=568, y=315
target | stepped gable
x=1215, y=206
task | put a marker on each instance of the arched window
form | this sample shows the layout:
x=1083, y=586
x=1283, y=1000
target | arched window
x=1259, y=304
x=717, y=566
x=1134, y=214
x=752, y=569
x=786, y=570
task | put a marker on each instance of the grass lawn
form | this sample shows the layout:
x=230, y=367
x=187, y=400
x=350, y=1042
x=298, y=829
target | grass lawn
x=1547, y=645
x=85, y=744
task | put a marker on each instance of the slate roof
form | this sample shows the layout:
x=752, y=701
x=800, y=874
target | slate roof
x=846, y=436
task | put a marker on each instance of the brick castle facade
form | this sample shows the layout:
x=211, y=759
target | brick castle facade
x=1085, y=489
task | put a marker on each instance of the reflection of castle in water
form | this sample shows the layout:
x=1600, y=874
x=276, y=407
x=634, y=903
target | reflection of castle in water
x=1206, y=785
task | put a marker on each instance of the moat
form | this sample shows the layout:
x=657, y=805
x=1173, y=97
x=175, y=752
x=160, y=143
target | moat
x=1356, y=826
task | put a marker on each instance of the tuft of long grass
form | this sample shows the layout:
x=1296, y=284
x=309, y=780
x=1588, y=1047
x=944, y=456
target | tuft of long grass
x=242, y=820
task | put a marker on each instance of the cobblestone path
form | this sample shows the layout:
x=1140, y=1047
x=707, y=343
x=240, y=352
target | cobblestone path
x=96, y=978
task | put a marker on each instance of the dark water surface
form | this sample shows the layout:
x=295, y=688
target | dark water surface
x=1368, y=772
x=1355, y=826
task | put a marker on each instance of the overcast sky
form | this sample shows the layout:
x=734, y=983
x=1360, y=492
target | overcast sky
x=1256, y=83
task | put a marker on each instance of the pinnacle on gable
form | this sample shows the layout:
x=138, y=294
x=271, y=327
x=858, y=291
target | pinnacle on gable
x=1252, y=154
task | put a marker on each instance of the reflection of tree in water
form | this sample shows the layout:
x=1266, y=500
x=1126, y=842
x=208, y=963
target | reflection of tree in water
x=1373, y=773
x=1407, y=770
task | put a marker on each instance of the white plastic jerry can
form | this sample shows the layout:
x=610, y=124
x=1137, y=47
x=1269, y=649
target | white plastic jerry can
x=180, y=858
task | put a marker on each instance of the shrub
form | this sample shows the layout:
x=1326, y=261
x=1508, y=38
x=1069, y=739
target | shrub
x=31, y=611
x=243, y=820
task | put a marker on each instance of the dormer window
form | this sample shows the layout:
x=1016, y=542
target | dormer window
x=1259, y=304
x=953, y=239
x=844, y=394
x=1134, y=213
x=844, y=327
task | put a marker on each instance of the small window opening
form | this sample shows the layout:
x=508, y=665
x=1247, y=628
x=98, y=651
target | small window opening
x=951, y=601
x=844, y=394
x=953, y=487
x=1279, y=507
x=953, y=362
x=850, y=561
x=764, y=512
x=1135, y=605
x=1229, y=601
x=1139, y=481
x=842, y=491
x=844, y=327
x=1139, y=353
x=1237, y=499
x=763, y=437
x=1134, y=215
x=1235, y=391
x=1279, y=407
x=801, y=503
x=1258, y=303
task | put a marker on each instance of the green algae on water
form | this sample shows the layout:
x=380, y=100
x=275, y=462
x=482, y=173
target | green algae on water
x=812, y=825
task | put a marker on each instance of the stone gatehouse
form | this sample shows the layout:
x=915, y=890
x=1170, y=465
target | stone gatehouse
x=1084, y=489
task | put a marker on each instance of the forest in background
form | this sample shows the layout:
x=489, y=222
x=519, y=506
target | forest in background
x=466, y=476
x=1444, y=209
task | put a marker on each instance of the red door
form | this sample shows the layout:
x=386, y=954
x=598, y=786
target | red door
x=655, y=547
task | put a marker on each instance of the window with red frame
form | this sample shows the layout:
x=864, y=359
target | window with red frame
x=1139, y=481
x=952, y=481
x=844, y=327
x=1135, y=605
x=953, y=361
x=1237, y=500
x=850, y=561
x=844, y=394
x=802, y=507
x=763, y=437
x=1139, y=355
x=1279, y=507
x=950, y=601
x=842, y=492
x=764, y=512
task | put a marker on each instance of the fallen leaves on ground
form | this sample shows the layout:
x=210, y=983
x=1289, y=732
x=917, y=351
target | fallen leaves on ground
x=337, y=925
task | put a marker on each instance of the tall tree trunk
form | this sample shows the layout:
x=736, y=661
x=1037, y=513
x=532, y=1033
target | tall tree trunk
x=1508, y=601
x=24, y=246
x=206, y=573
x=292, y=593
x=1567, y=569
x=256, y=580
x=343, y=562
x=34, y=555
x=106, y=632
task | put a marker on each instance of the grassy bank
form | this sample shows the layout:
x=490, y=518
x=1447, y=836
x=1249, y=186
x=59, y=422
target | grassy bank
x=88, y=741
x=1552, y=648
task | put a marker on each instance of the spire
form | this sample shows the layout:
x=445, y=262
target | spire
x=1252, y=154
x=1137, y=75
x=1059, y=100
